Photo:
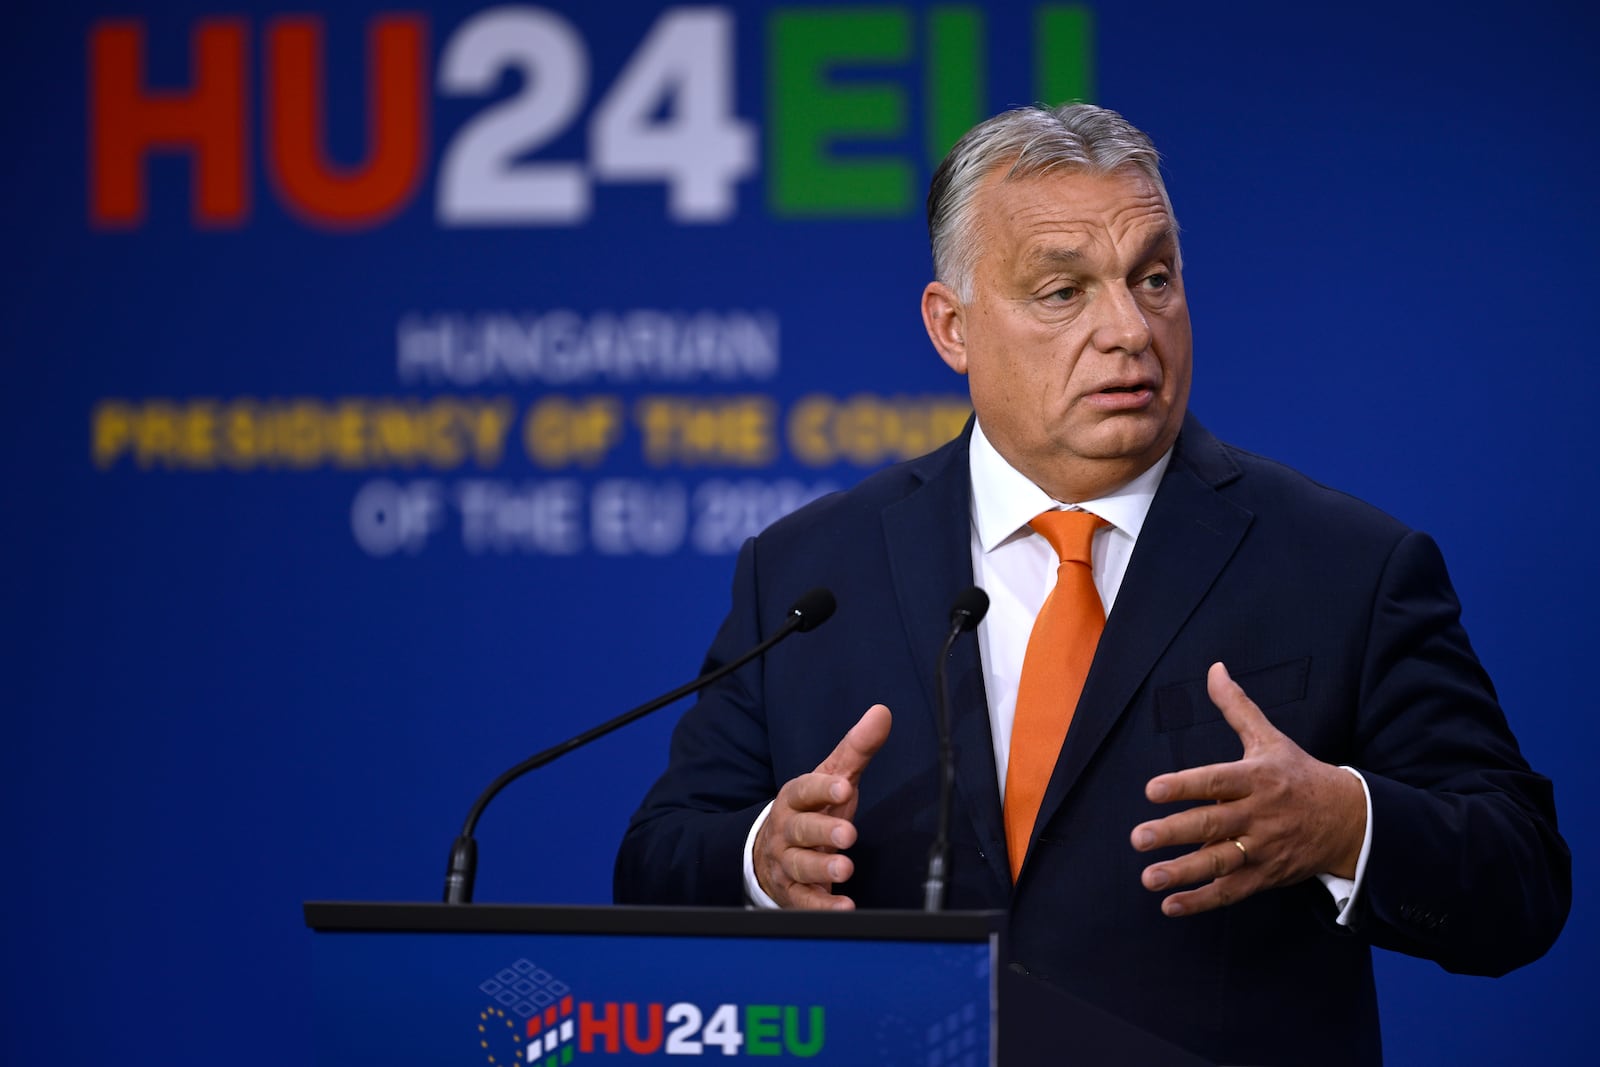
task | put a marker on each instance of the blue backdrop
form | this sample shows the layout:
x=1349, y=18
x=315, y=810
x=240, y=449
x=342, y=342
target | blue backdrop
x=389, y=390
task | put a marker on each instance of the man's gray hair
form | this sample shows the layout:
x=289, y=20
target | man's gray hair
x=1033, y=141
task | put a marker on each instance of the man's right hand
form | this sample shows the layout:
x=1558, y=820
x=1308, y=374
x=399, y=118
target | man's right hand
x=796, y=854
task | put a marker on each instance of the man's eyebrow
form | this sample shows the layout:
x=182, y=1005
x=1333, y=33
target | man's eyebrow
x=1167, y=238
x=1056, y=256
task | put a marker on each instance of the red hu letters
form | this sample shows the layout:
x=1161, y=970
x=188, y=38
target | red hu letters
x=209, y=120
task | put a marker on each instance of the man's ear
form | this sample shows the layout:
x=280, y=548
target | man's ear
x=942, y=315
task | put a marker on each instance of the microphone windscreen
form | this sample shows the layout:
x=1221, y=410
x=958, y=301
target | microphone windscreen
x=970, y=607
x=815, y=608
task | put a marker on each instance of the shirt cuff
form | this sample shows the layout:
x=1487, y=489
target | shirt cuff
x=756, y=897
x=1344, y=890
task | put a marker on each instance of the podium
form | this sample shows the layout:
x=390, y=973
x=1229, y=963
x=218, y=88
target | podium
x=498, y=985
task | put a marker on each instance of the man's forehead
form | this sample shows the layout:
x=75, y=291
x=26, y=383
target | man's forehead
x=1069, y=213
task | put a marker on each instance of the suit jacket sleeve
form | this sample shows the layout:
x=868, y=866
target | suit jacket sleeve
x=685, y=844
x=1467, y=867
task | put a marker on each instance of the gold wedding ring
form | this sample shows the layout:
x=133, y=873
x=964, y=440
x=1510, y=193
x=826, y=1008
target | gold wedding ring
x=1242, y=850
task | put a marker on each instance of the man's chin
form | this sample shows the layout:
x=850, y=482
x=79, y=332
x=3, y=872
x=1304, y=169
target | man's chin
x=1129, y=439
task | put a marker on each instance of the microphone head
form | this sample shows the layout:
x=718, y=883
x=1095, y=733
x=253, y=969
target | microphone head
x=816, y=607
x=969, y=609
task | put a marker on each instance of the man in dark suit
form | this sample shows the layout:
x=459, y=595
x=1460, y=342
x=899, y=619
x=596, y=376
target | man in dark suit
x=1284, y=733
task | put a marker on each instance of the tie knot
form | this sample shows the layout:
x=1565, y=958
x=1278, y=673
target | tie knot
x=1070, y=533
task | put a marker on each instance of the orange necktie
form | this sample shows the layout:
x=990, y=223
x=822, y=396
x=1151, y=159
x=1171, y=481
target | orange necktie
x=1060, y=649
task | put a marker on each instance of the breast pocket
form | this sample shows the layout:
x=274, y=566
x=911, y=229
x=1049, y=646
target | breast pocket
x=1187, y=704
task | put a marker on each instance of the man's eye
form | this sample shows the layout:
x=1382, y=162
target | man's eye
x=1064, y=294
x=1159, y=280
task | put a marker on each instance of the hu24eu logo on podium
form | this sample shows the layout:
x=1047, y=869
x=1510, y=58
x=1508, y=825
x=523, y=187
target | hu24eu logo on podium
x=533, y=1018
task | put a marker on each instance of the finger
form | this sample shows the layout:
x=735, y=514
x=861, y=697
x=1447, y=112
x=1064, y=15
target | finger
x=1217, y=860
x=780, y=868
x=1194, y=826
x=813, y=867
x=815, y=792
x=1247, y=720
x=809, y=829
x=817, y=898
x=859, y=745
x=1215, y=781
x=1213, y=895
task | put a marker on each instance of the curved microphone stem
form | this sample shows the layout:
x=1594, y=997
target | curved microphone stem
x=808, y=612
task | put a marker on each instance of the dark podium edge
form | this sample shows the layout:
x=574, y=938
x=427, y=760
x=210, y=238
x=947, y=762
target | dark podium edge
x=1036, y=1023
x=960, y=926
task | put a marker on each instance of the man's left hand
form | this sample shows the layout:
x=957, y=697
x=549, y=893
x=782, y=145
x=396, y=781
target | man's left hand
x=1280, y=816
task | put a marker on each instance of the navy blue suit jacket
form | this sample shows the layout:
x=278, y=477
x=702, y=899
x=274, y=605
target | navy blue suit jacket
x=1338, y=621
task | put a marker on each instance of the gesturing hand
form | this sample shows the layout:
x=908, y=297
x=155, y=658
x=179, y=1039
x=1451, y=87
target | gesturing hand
x=796, y=852
x=1280, y=816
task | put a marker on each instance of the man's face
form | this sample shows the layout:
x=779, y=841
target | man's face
x=1076, y=341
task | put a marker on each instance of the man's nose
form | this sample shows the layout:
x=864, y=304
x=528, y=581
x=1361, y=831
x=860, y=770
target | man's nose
x=1122, y=326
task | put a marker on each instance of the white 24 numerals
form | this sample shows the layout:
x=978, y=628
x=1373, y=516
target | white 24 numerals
x=700, y=149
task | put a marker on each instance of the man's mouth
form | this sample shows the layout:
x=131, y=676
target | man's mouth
x=1124, y=397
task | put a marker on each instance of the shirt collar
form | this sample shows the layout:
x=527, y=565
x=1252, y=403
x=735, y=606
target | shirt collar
x=1003, y=500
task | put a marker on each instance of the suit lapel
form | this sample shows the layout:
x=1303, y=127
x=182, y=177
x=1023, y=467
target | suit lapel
x=1188, y=537
x=930, y=559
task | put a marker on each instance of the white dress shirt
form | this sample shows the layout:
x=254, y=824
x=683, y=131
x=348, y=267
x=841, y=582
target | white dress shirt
x=1017, y=568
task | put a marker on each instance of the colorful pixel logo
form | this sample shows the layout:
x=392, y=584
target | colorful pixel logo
x=528, y=1019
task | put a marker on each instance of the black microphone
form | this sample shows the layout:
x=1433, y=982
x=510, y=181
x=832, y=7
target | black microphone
x=965, y=614
x=810, y=611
